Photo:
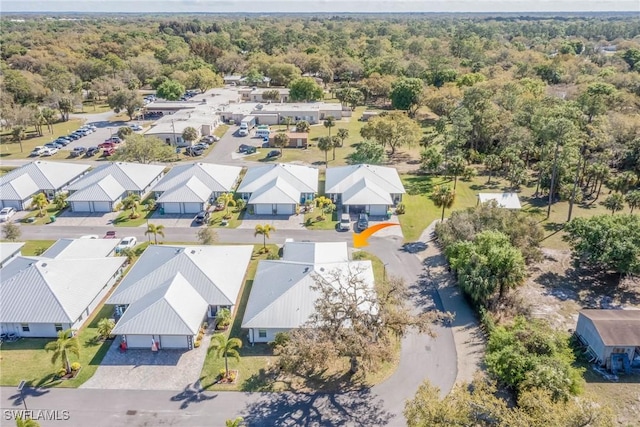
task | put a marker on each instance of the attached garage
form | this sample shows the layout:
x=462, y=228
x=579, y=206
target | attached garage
x=284, y=209
x=263, y=209
x=175, y=341
x=16, y=204
x=91, y=206
x=165, y=341
x=81, y=206
x=102, y=207
x=182, y=208
x=377, y=210
x=139, y=341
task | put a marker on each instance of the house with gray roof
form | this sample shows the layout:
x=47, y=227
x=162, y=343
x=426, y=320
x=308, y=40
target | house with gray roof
x=364, y=188
x=40, y=296
x=9, y=251
x=18, y=187
x=189, y=188
x=102, y=188
x=282, y=295
x=277, y=189
x=166, y=289
x=81, y=248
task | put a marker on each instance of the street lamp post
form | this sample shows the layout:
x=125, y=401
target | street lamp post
x=384, y=270
x=20, y=388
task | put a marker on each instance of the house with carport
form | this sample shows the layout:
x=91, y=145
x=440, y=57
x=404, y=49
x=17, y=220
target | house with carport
x=18, y=187
x=104, y=187
x=364, y=188
x=283, y=296
x=59, y=290
x=171, y=290
x=189, y=188
x=277, y=189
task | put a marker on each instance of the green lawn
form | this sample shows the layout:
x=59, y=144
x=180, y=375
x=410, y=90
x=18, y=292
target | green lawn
x=235, y=220
x=11, y=150
x=90, y=107
x=36, y=247
x=27, y=360
x=6, y=169
x=329, y=223
x=221, y=130
x=51, y=210
x=124, y=218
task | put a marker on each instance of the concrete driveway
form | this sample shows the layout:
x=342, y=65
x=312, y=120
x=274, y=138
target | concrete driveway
x=173, y=220
x=85, y=219
x=280, y=222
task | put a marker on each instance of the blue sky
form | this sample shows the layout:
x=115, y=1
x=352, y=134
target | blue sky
x=311, y=6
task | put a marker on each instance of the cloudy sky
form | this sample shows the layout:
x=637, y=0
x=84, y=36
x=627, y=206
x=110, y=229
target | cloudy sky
x=310, y=6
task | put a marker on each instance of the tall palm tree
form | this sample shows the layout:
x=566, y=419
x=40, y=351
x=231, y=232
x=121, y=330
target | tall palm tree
x=264, y=230
x=614, y=203
x=343, y=134
x=329, y=122
x=131, y=202
x=455, y=168
x=325, y=144
x=288, y=121
x=281, y=140
x=105, y=326
x=227, y=200
x=18, y=135
x=155, y=230
x=633, y=199
x=65, y=344
x=443, y=197
x=225, y=347
x=39, y=201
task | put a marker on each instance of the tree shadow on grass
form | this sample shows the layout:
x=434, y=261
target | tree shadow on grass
x=416, y=185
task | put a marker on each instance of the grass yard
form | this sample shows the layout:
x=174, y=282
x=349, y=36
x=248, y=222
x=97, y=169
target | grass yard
x=11, y=150
x=221, y=130
x=90, y=107
x=236, y=218
x=329, y=223
x=6, y=169
x=622, y=396
x=27, y=360
x=36, y=247
x=124, y=218
x=33, y=218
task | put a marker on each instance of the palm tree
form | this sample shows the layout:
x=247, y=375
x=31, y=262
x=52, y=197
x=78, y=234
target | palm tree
x=238, y=422
x=105, y=326
x=325, y=144
x=492, y=163
x=18, y=135
x=65, y=344
x=227, y=200
x=288, y=121
x=223, y=317
x=614, y=203
x=281, y=140
x=28, y=422
x=264, y=230
x=131, y=202
x=303, y=126
x=155, y=230
x=39, y=201
x=443, y=197
x=60, y=201
x=343, y=134
x=455, y=168
x=335, y=143
x=329, y=122
x=633, y=199
x=225, y=347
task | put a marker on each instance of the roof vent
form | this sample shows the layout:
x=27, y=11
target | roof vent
x=321, y=268
x=44, y=264
x=193, y=251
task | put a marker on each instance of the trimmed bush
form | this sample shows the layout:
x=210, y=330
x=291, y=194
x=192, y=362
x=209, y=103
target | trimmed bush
x=196, y=344
x=75, y=366
x=400, y=209
x=62, y=372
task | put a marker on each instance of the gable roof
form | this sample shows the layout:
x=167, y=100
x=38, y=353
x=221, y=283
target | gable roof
x=192, y=190
x=615, y=327
x=9, y=249
x=366, y=192
x=174, y=308
x=107, y=189
x=20, y=188
x=215, y=272
x=340, y=179
x=218, y=178
x=278, y=190
x=81, y=248
x=36, y=290
x=303, y=178
x=504, y=200
x=47, y=175
x=131, y=176
x=315, y=252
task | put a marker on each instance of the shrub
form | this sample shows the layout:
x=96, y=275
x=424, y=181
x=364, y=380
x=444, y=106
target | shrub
x=75, y=366
x=273, y=255
x=401, y=209
x=359, y=255
x=469, y=173
x=197, y=343
x=61, y=372
x=232, y=376
x=222, y=372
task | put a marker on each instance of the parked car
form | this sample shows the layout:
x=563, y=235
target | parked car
x=54, y=144
x=92, y=151
x=110, y=234
x=203, y=217
x=90, y=236
x=37, y=151
x=363, y=221
x=49, y=151
x=107, y=144
x=113, y=140
x=126, y=243
x=78, y=151
x=73, y=136
x=345, y=222
x=92, y=127
x=6, y=214
x=193, y=151
x=135, y=128
x=110, y=151
x=273, y=154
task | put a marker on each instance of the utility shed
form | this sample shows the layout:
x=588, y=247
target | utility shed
x=503, y=200
x=609, y=332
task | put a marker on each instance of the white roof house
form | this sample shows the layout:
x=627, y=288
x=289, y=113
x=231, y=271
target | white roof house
x=106, y=189
x=9, y=251
x=504, y=200
x=191, y=191
x=133, y=177
x=81, y=248
x=278, y=187
x=217, y=179
x=18, y=186
x=364, y=187
x=282, y=297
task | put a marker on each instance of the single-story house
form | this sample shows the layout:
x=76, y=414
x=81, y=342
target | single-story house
x=9, y=251
x=188, y=188
x=282, y=296
x=253, y=94
x=611, y=335
x=169, y=128
x=232, y=79
x=40, y=296
x=364, y=188
x=278, y=188
x=18, y=187
x=296, y=139
x=503, y=200
x=166, y=289
x=312, y=112
x=102, y=188
x=81, y=248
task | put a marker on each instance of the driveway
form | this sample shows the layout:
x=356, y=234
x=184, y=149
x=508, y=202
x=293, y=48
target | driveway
x=85, y=219
x=280, y=222
x=173, y=220
x=143, y=369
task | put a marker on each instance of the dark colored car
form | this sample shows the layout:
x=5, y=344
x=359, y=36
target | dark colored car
x=247, y=149
x=193, y=151
x=73, y=136
x=203, y=217
x=363, y=221
x=78, y=151
x=273, y=153
x=92, y=151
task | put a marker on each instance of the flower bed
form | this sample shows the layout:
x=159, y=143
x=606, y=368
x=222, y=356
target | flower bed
x=231, y=379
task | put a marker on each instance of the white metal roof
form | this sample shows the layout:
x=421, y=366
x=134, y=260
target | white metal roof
x=81, y=248
x=303, y=179
x=52, y=290
x=340, y=179
x=504, y=200
x=47, y=175
x=174, y=308
x=219, y=178
x=107, y=189
x=131, y=176
x=9, y=249
x=315, y=252
x=216, y=272
x=278, y=190
x=366, y=192
x=19, y=188
x=191, y=191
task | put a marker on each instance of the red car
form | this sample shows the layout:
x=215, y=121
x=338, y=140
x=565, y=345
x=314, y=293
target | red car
x=110, y=235
x=108, y=151
x=107, y=144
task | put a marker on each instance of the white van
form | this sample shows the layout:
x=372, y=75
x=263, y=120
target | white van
x=263, y=133
x=243, y=132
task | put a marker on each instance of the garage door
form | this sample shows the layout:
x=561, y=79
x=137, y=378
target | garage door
x=192, y=207
x=173, y=208
x=139, y=341
x=173, y=341
x=81, y=206
x=263, y=209
x=16, y=204
x=285, y=209
x=101, y=207
x=378, y=210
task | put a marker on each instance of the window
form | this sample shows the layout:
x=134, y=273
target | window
x=25, y=327
x=58, y=327
x=262, y=333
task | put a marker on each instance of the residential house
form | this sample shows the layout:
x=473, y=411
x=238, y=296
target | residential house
x=18, y=187
x=188, y=188
x=277, y=189
x=9, y=251
x=282, y=295
x=59, y=290
x=296, y=139
x=171, y=289
x=254, y=94
x=502, y=200
x=364, y=188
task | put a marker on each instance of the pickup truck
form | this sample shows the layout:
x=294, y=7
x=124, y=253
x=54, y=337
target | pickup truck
x=110, y=235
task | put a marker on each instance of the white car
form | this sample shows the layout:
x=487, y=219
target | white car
x=6, y=214
x=90, y=236
x=37, y=151
x=135, y=128
x=49, y=151
x=126, y=243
